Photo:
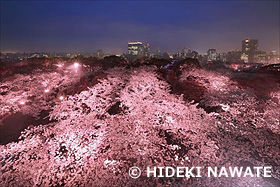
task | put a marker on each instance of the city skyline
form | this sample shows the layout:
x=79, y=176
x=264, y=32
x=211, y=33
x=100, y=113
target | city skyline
x=250, y=53
x=155, y=48
x=86, y=26
x=154, y=51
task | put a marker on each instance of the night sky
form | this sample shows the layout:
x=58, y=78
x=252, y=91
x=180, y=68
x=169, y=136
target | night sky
x=86, y=26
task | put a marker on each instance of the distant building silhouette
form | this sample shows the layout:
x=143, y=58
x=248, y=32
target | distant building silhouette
x=234, y=56
x=157, y=51
x=99, y=53
x=186, y=52
x=147, y=50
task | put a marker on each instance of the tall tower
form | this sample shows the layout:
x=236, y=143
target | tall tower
x=147, y=50
x=135, y=49
x=250, y=47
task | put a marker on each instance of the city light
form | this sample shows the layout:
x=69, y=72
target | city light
x=61, y=97
x=47, y=90
x=76, y=64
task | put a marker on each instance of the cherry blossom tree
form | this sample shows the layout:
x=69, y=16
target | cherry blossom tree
x=131, y=118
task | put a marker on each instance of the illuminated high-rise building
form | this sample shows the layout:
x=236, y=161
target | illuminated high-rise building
x=212, y=55
x=135, y=49
x=250, y=47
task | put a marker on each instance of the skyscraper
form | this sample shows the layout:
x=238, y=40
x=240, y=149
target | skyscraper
x=250, y=47
x=147, y=51
x=212, y=55
x=135, y=49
